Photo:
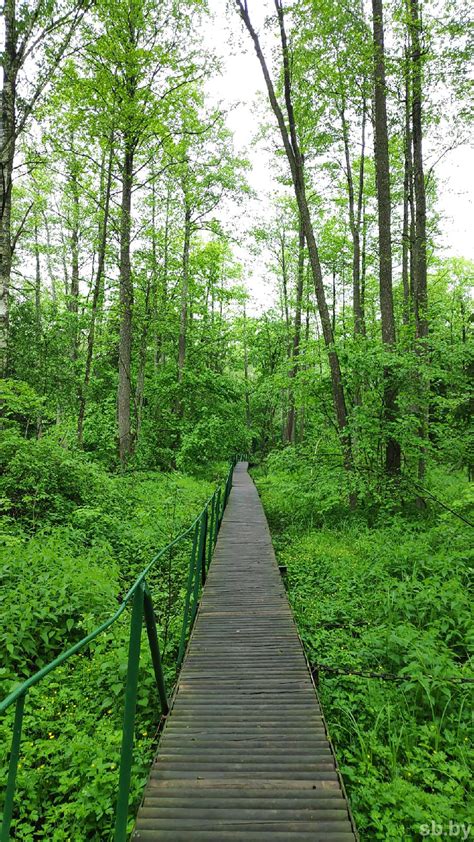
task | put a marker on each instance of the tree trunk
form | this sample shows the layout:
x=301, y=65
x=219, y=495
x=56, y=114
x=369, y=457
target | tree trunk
x=358, y=257
x=407, y=189
x=96, y=293
x=421, y=295
x=291, y=422
x=246, y=371
x=7, y=151
x=295, y=160
x=363, y=269
x=382, y=173
x=126, y=308
x=49, y=263
x=73, y=302
x=302, y=413
x=334, y=365
x=355, y=213
x=140, y=389
x=420, y=287
x=183, y=320
x=64, y=252
x=37, y=291
x=284, y=278
x=160, y=292
x=74, y=288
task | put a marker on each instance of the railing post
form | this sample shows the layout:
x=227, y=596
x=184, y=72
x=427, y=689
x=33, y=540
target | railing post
x=182, y=643
x=210, y=532
x=199, y=561
x=12, y=769
x=202, y=546
x=155, y=650
x=126, y=754
x=217, y=520
x=228, y=485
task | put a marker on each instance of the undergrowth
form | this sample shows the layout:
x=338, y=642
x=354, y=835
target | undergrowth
x=384, y=589
x=73, y=539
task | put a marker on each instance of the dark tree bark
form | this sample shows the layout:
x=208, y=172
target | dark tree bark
x=420, y=287
x=126, y=307
x=291, y=422
x=420, y=274
x=284, y=279
x=382, y=173
x=140, y=388
x=295, y=160
x=302, y=413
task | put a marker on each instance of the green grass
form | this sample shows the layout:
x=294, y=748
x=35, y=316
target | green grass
x=392, y=597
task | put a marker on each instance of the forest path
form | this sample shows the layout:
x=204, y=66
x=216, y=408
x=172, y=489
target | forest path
x=244, y=754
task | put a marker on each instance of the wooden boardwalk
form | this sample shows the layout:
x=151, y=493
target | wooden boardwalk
x=244, y=754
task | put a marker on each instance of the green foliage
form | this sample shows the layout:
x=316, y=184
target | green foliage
x=41, y=480
x=49, y=596
x=393, y=599
x=79, y=538
x=22, y=408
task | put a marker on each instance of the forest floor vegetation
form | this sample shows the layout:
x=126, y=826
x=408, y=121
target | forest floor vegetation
x=73, y=538
x=384, y=589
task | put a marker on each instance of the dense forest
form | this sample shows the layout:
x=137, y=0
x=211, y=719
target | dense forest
x=138, y=356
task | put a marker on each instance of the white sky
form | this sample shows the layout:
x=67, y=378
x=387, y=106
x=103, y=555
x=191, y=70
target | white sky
x=240, y=86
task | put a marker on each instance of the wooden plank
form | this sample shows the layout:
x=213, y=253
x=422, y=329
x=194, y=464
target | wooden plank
x=244, y=755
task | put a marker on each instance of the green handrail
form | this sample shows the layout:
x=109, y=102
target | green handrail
x=204, y=528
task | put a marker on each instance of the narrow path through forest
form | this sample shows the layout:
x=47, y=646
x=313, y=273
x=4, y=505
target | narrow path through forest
x=244, y=754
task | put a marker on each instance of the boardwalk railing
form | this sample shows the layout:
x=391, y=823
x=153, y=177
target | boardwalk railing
x=203, y=532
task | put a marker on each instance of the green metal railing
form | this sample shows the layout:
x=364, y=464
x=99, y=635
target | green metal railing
x=204, y=532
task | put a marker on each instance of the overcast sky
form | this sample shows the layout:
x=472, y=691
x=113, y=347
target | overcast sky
x=240, y=86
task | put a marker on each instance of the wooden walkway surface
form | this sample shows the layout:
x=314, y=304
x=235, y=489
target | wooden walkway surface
x=244, y=754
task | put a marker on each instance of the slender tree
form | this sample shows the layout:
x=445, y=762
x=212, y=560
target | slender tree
x=295, y=351
x=420, y=273
x=382, y=173
x=288, y=131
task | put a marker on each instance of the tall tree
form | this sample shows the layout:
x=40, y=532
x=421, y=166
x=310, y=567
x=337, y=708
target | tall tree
x=420, y=273
x=289, y=135
x=45, y=31
x=382, y=174
x=408, y=230
x=139, y=66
